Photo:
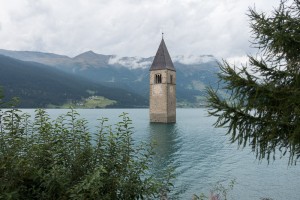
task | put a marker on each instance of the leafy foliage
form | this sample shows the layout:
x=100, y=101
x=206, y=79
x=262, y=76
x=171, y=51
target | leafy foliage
x=264, y=107
x=61, y=159
x=218, y=192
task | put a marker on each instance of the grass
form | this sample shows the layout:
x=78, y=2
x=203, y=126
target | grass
x=90, y=102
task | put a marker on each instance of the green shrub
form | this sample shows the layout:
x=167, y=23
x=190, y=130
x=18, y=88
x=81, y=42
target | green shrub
x=218, y=192
x=42, y=158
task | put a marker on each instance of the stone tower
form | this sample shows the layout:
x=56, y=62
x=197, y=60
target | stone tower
x=162, y=87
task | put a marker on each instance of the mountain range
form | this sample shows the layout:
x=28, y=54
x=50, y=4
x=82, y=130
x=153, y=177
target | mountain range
x=111, y=73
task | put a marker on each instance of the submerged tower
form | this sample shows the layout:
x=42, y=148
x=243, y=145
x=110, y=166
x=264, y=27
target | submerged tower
x=162, y=87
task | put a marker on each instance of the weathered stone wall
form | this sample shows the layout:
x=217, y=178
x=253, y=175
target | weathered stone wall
x=163, y=97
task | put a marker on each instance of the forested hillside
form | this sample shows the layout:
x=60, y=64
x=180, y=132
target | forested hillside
x=39, y=85
x=194, y=73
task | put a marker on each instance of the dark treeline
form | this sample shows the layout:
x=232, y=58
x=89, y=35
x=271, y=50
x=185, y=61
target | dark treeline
x=38, y=85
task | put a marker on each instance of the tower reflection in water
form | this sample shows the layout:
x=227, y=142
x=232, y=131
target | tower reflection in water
x=167, y=145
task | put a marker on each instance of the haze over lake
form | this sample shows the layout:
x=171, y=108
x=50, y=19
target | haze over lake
x=202, y=155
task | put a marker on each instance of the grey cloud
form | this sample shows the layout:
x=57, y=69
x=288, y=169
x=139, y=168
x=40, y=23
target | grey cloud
x=129, y=27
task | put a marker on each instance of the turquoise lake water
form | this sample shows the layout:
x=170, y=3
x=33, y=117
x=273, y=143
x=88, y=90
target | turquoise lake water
x=202, y=155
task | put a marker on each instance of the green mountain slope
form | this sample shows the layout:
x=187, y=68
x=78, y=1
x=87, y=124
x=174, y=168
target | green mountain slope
x=39, y=85
x=194, y=73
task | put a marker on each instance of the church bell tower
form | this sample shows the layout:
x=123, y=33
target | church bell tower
x=162, y=87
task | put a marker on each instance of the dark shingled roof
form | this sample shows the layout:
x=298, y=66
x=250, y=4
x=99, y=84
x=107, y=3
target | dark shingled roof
x=162, y=58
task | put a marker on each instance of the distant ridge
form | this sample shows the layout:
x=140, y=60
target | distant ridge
x=110, y=59
x=39, y=85
x=89, y=55
x=194, y=73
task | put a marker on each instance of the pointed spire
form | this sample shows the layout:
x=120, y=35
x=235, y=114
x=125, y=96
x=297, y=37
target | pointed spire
x=162, y=59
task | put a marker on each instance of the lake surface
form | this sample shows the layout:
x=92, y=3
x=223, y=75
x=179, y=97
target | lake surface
x=202, y=155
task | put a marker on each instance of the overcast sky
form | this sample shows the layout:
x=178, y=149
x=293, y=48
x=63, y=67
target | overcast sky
x=129, y=27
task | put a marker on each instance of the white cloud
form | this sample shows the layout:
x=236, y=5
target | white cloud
x=130, y=62
x=192, y=59
x=238, y=61
x=128, y=27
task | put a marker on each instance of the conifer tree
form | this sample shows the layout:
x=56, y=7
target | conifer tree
x=263, y=105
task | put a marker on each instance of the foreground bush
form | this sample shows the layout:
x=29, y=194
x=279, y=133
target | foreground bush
x=61, y=159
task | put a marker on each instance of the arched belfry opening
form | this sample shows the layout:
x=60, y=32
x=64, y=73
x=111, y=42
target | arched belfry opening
x=162, y=107
x=157, y=78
